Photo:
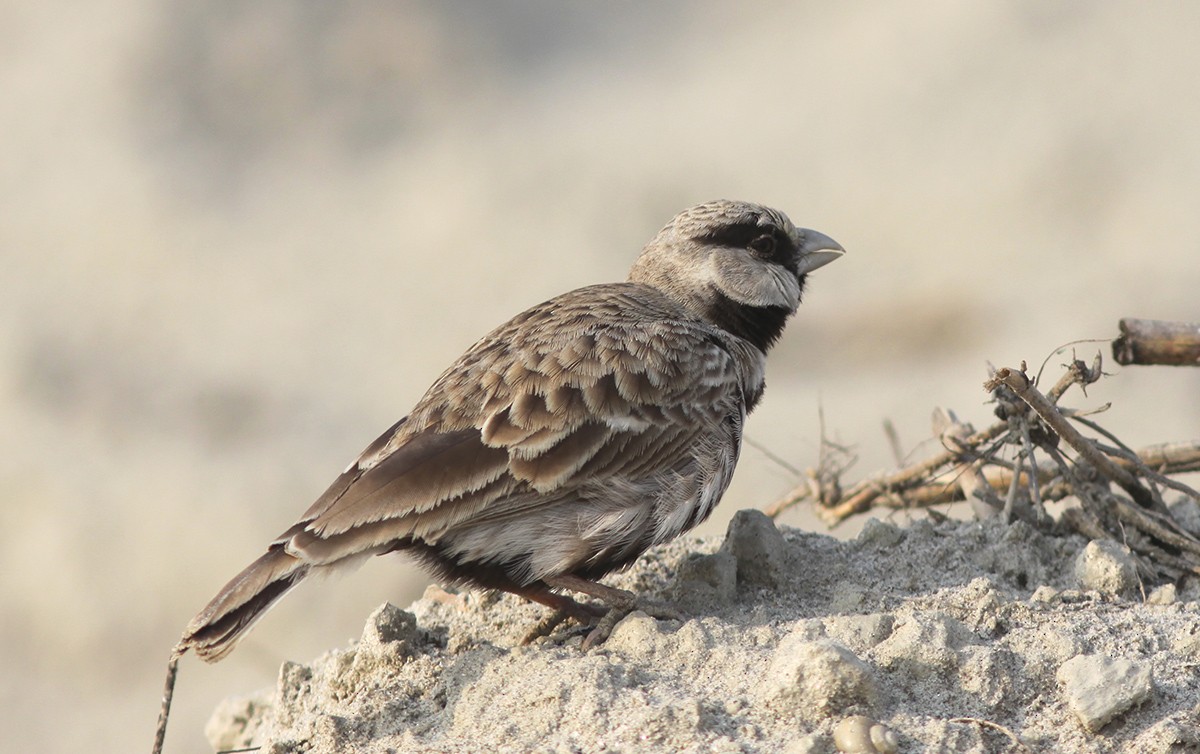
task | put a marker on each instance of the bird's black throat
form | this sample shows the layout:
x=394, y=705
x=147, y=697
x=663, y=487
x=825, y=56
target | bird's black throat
x=761, y=325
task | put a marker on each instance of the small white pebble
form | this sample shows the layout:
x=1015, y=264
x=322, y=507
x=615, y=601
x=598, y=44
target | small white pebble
x=1163, y=595
x=1044, y=593
x=885, y=739
x=853, y=735
x=859, y=734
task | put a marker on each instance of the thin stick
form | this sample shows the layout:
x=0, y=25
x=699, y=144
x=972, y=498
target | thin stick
x=893, y=438
x=1134, y=458
x=1032, y=460
x=1172, y=457
x=160, y=734
x=1077, y=372
x=772, y=457
x=859, y=498
x=996, y=727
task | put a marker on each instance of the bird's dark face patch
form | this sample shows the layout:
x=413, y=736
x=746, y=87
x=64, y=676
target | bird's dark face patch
x=765, y=240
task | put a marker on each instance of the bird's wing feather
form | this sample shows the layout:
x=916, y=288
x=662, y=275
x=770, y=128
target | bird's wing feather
x=616, y=383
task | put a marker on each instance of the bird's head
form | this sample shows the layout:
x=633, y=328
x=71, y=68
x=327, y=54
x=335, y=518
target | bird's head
x=739, y=265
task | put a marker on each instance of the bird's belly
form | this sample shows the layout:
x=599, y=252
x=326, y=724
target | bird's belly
x=603, y=524
x=713, y=462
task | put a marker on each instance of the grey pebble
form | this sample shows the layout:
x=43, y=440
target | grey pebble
x=878, y=534
x=757, y=546
x=706, y=578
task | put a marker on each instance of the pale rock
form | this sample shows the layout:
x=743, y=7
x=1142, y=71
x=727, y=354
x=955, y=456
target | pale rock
x=861, y=632
x=1106, y=567
x=1163, y=595
x=705, y=579
x=1044, y=593
x=237, y=721
x=1097, y=688
x=814, y=679
x=924, y=645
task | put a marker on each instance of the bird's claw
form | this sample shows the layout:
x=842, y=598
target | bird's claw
x=605, y=626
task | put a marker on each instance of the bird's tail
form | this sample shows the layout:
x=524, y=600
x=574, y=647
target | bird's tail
x=246, y=598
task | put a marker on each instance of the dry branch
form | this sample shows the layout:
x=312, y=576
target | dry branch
x=1016, y=381
x=1168, y=457
x=1035, y=453
x=1151, y=341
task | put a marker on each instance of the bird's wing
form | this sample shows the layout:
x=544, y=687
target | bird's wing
x=606, y=381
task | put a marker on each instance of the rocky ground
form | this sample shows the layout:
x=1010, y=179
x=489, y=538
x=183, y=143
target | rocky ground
x=955, y=637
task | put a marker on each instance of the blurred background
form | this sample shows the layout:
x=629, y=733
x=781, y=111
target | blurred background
x=240, y=239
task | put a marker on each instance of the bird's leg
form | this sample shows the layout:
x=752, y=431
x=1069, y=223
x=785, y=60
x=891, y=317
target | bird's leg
x=564, y=607
x=620, y=603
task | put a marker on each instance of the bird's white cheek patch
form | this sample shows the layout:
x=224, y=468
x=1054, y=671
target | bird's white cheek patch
x=754, y=283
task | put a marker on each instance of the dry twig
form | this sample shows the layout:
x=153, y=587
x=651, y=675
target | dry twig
x=1118, y=489
x=1021, y=745
x=1149, y=341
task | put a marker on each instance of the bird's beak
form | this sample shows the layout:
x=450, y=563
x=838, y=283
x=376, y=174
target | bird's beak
x=816, y=250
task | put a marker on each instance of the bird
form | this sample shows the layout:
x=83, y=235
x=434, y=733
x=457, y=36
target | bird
x=566, y=442
x=570, y=439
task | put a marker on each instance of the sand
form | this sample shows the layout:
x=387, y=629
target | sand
x=956, y=637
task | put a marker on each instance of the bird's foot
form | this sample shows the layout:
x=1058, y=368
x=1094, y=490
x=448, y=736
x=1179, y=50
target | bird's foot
x=564, y=609
x=545, y=627
x=620, y=604
x=604, y=627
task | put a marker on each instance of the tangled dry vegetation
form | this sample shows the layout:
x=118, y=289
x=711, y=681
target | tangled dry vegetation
x=1039, y=451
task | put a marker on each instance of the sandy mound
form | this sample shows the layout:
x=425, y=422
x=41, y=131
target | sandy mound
x=798, y=643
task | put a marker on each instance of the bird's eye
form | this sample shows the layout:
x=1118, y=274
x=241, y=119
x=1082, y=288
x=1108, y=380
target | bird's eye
x=763, y=245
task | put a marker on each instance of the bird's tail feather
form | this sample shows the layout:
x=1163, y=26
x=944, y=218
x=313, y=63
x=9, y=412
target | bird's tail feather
x=219, y=626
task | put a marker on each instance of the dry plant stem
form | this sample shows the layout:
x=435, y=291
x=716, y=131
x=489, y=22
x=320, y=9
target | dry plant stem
x=1159, y=525
x=893, y=438
x=996, y=727
x=1171, y=457
x=1016, y=381
x=1125, y=457
x=1155, y=536
x=860, y=497
x=1033, y=477
x=160, y=733
x=1150, y=341
x=1084, y=522
x=1010, y=500
x=1077, y=372
x=972, y=484
x=1152, y=532
x=951, y=475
